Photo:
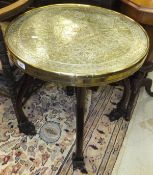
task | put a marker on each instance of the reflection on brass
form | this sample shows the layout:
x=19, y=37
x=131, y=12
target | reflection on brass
x=75, y=44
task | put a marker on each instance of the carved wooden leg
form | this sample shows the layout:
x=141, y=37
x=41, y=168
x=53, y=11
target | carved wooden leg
x=78, y=160
x=139, y=80
x=28, y=86
x=25, y=125
x=7, y=71
x=120, y=110
x=132, y=86
x=127, y=117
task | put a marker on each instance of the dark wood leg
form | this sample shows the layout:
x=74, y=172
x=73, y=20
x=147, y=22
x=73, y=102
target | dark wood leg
x=121, y=109
x=133, y=96
x=139, y=80
x=25, y=126
x=132, y=87
x=7, y=73
x=78, y=160
x=28, y=86
x=23, y=122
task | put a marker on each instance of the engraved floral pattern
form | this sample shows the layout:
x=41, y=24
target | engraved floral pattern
x=77, y=40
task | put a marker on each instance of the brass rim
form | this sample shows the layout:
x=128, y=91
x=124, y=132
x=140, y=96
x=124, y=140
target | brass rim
x=80, y=81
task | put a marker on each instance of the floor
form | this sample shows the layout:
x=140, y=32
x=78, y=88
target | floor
x=136, y=154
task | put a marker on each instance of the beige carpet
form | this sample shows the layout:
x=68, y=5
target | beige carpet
x=50, y=151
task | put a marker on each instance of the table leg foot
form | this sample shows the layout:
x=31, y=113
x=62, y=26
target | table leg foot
x=116, y=114
x=78, y=162
x=26, y=127
x=121, y=109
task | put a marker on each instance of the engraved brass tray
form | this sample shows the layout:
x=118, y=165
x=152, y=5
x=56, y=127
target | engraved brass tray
x=77, y=44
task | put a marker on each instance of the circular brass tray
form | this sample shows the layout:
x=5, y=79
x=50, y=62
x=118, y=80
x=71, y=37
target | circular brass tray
x=76, y=44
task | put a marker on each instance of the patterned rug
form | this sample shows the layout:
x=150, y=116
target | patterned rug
x=50, y=151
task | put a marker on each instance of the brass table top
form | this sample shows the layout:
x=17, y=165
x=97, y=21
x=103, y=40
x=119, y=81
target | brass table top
x=78, y=45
